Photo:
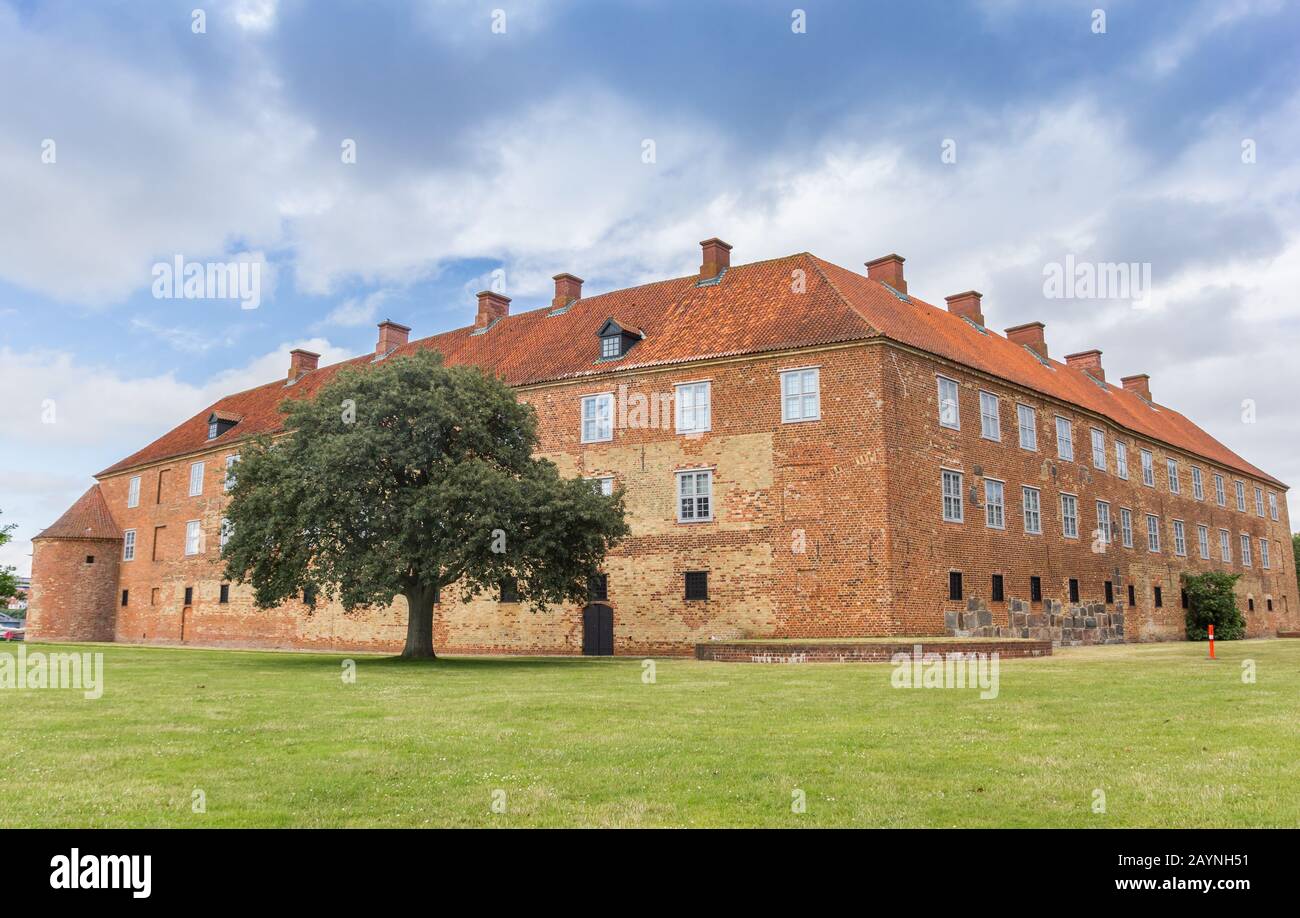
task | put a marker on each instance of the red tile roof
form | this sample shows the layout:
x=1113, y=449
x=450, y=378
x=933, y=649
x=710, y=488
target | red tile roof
x=88, y=518
x=791, y=302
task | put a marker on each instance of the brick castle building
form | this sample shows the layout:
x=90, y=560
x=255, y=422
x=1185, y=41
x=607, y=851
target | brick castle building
x=806, y=451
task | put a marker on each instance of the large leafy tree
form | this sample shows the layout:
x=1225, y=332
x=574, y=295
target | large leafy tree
x=413, y=478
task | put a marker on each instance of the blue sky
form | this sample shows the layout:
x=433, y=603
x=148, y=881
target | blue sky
x=522, y=151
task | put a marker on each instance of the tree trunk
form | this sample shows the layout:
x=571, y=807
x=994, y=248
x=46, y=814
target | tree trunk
x=419, y=625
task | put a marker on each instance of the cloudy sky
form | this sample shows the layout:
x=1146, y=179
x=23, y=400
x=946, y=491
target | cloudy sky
x=983, y=141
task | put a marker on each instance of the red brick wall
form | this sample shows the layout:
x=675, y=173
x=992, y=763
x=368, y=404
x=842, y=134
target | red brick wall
x=73, y=599
x=858, y=491
x=925, y=548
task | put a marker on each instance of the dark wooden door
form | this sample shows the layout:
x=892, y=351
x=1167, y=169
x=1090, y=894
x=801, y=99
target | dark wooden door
x=598, y=630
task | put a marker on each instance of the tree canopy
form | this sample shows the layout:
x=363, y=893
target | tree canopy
x=8, y=582
x=413, y=478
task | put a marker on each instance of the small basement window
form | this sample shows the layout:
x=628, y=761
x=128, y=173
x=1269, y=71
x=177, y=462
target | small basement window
x=1035, y=589
x=225, y=593
x=1160, y=597
x=90, y=559
x=189, y=596
x=1074, y=590
x=996, y=592
x=309, y=596
x=598, y=588
x=1132, y=595
x=1110, y=593
x=954, y=586
x=509, y=587
x=697, y=584
x=126, y=594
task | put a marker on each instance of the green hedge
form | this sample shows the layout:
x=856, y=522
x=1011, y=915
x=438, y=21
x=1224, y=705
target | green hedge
x=1211, y=601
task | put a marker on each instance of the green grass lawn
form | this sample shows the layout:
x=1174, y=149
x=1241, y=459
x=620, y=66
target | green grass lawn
x=273, y=739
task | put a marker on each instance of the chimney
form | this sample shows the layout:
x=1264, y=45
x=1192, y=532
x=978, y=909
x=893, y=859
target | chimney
x=301, y=362
x=717, y=255
x=1141, y=384
x=567, y=289
x=889, y=270
x=1087, y=360
x=391, y=335
x=966, y=305
x=491, y=306
x=1029, y=335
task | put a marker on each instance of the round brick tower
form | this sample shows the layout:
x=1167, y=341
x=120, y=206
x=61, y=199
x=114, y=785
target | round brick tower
x=74, y=574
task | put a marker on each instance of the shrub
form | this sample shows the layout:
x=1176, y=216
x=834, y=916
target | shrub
x=1211, y=601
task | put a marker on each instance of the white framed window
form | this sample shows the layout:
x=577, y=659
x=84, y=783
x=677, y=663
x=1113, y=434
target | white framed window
x=1148, y=469
x=1098, y=449
x=1203, y=541
x=1069, y=516
x=1245, y=550
x=1121, y=459
x=1153, y=533
x=1198, y=484
x=128, y=545
x=1219, y=496
x=1103, y=521
x=994, y=506
x=1259, y=502
x=227, y=530
x=1180, y=539
x=1032, y=502
x=603, y=485
x=693, y=407
x=1263, y=554
x=990, y=417
x=1225, y=546
x=1240, y=487
x=598, y=418
x=193, y=538
x=695, y=496
x=1027, y=419
x=1272, y=506
x=611, y=346
x=196, y=479
x=230, y=471
x=952, y=497
x=1171, y=466
x=133, y=492
x=1126, y=526
x=1064, y=439
x=949, y=409
x=212, y=429
x=801, y=395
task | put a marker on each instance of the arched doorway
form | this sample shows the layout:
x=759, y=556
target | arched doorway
x=597, y=630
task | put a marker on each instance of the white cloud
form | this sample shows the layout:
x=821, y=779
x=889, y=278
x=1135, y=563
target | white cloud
x=356, y=311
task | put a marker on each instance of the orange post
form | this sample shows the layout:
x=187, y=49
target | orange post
x=1211, y=642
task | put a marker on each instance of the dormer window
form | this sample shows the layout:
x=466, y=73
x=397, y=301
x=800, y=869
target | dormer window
x=616, y=340
x=219, y=422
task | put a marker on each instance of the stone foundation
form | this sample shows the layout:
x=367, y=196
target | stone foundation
x=1089, y=623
